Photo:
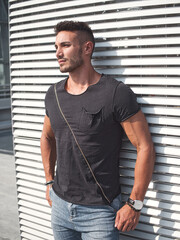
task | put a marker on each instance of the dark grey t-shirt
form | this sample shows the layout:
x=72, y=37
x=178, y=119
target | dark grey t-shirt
x=95, y=117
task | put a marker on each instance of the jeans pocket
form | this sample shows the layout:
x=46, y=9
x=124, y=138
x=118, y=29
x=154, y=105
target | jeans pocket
x=116, y=203
x=50, y=193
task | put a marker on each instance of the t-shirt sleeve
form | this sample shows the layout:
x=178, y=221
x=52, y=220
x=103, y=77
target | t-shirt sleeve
x=47, y=100
x=125, y=103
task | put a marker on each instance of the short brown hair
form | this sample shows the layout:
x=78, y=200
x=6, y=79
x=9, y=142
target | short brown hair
x=74, y=26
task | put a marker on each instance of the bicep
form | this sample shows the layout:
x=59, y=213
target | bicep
x=137, y=130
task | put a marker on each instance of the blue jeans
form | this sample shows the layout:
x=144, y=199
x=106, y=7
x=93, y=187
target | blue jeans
x=76, y=222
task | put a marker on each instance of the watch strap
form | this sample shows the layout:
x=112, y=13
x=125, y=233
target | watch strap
x=132, y=207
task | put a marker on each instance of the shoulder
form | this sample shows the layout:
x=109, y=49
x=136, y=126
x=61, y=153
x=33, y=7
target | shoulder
x=118, y=86
x=124, y=91
x=109, y=80
x=50, y=90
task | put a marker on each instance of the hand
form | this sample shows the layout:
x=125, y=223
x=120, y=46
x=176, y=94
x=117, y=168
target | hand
x=126, y=219
x=47, y=195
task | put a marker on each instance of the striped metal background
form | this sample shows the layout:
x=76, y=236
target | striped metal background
x=138, y=42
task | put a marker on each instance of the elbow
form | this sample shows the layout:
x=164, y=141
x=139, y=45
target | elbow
x=149, y=150
x=45, y=138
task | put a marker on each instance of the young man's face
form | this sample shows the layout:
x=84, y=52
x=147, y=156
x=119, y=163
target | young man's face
x=68, y=51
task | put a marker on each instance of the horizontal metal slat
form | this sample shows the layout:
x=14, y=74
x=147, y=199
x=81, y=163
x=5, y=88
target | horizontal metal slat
x=40, y=201
x=22, y=103
x=36, y=226
x=31, y=156
x=118, y=71
x=166, y=131
x=27, y=236
x=26, y=118
x=39, y=96
x=96, y=9
x=173, y=91
x=33, y=206
x=98, y=17
x=145, y=61
x=138, y=52
x=28, y=126
x=28, y=170
x=27, y=133
x=167, y=111
x=137, y=32
x=108, y=34
x=171, y=151
x=149, y=236
x=35, y=213
x=166, y=179
x=153, y=81
x=29, y=177
x=30, y=88
x=158, y=229
x=31, y=188
x=173, y=81
x=155, y=21
x=25, y=148
x=30, y=142
x=161, y=222
x=56, y=7
x=170, y=101
x=33, y=111
x=170, y=61
x=17, y=4
x=174, y=198
x=166, y=140
x=107, y=53
x=35, y=219
x=35, y=233
x=29, y=191
x=27, y=163
x=161, y=169
x=159, y=159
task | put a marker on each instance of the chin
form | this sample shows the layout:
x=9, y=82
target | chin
x=63, y=70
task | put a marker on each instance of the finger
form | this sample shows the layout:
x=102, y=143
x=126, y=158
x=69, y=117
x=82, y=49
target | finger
x=117, y=220
x=50, y=203
x=120, y=226
x=129, y=228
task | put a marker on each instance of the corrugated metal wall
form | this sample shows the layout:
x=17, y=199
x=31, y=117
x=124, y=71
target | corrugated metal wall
x=139, y=43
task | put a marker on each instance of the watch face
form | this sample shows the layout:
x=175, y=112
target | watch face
x=138, y=204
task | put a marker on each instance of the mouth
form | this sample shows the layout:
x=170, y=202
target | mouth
x=60, y=61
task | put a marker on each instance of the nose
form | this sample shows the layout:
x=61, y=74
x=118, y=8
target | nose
x=59, y=53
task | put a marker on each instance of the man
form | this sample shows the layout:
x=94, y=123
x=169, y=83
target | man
x=85, y=196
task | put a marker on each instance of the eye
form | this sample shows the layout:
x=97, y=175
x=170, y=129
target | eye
x=66, y=45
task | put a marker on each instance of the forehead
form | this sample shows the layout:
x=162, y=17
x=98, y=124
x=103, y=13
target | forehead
x=66, y=36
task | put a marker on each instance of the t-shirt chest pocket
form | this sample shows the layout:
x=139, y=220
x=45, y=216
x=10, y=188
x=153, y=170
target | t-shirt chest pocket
x=91, y=120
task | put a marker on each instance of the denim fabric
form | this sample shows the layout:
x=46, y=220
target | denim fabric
x=76, y=222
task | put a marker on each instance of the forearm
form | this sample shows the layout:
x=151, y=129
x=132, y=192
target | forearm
x=48, y=153
x=143, y=172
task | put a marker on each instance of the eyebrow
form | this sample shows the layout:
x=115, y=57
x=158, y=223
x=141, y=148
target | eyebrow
x=62, y=43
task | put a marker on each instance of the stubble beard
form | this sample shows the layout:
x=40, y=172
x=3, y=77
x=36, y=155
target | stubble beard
x=72, y=63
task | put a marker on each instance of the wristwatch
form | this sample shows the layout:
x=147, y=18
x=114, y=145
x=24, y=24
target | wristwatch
x=136, y=205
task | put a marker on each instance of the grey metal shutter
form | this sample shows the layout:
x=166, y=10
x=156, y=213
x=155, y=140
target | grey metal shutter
x=138, y=42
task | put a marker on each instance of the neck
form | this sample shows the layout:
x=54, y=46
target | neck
x=81, y=79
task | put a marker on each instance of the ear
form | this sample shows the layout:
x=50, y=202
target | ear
x=88, y=48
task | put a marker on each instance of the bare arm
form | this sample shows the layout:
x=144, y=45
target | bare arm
x=48, y=153
x=136, y=129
